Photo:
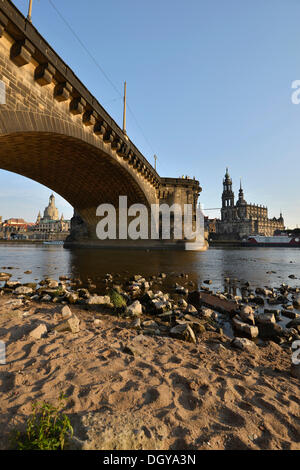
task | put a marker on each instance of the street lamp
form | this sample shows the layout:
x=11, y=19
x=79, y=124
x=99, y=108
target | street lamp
x=29, y=11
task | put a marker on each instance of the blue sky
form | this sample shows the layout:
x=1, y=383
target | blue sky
x=209, y=82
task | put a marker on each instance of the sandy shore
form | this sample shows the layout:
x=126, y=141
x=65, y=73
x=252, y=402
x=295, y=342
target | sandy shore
x=127, y=390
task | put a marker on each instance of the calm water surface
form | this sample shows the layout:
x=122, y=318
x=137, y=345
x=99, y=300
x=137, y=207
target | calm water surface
x=260, y=266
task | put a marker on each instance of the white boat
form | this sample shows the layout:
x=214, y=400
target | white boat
x=277, y=240
x=53, y=243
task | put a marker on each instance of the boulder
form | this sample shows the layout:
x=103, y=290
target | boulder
x=296, y=302
x=135, y=309
x=271, y=331
x=150, y=324
x=14, y=303
x=72, y=324
x=191, y=309
x=23, y=290
x=247, y=314
x=294, y=323
x=183, y=332
x=52, y=284
x=5, y=276
x=243, y=344
x=39, y=331
x=66, y=312
x=265, y=318
x=208, y=313
x=98, y=300
x=250, y=330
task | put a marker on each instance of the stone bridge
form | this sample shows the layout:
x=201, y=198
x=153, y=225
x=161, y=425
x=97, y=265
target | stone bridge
x=55, y=132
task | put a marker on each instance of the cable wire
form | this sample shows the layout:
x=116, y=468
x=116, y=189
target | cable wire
x=101, y=70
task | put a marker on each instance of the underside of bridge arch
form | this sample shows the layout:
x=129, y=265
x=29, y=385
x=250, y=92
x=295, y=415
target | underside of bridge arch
x=82, y=174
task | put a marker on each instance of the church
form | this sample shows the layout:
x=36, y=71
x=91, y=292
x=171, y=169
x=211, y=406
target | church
x=50, y=222
x=242, y=219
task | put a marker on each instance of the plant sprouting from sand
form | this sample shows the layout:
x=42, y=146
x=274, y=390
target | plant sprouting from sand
x=46, y=429
x=118, y=301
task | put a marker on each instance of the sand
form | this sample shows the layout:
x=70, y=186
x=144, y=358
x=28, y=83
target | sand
x=131, y=391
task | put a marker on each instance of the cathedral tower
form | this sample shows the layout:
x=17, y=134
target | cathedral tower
x=228, y=208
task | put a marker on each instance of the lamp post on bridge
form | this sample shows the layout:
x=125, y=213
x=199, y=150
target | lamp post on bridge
x=29, y=11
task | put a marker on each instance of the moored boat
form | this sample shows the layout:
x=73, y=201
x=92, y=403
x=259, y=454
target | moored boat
x=275, y=241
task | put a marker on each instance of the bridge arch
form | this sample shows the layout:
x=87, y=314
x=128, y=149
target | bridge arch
x=81, y=168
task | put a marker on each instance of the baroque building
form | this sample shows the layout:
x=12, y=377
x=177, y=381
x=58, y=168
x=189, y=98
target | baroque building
x=50, y=226
x=242, y=219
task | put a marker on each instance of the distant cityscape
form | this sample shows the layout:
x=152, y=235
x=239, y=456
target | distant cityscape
x=238, y=221
x=48, y=227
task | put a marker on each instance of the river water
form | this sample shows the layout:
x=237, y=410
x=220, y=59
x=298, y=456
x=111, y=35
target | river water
x=259, y=266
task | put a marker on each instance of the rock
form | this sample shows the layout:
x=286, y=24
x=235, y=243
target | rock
x=191, y=309
x=208, y=313
x=207, y=281
x=97, y=323
x=12, y=284
x=38, y=332
x=66, y=312
x=182, y=303
x=23, y=290
x=250, y=330
x=135, y=309
x=83, y=293
x=265, y=318
x=72, y=297
x=258, y=300
x=46, y=298
x=296, y=302
x=52, y=284
x=150, y=324
x=183, y=332
x=180, y=289
x=136, y=323
x=217, y=347
x=271, y=331
x=167, y=316
x=14, y=303
x=160, y=305
x=196, y=324
x=5, y=276
x=71, y=324
x=294, y=323
x=27, y=272
x=98, y=300
x=247, y=314
x=243, y=344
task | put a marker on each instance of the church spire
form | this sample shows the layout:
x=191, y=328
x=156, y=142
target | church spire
x=241, y=194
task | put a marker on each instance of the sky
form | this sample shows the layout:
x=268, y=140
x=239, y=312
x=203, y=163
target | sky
x=208, y=82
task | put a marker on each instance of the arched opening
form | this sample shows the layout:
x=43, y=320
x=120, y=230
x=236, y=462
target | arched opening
x=82, y=174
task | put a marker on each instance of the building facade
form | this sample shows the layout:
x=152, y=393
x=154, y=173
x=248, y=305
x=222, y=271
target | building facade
x=50, y=226
x=14, y=229
x=240, y=219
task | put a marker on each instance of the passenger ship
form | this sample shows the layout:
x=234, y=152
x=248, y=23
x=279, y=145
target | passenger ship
x=278, y=240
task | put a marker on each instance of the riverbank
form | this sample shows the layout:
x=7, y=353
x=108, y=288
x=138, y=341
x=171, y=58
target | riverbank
x=20, y=242
x=150, y=369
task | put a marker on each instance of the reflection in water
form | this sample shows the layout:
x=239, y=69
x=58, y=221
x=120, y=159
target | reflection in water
x=259, y=266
